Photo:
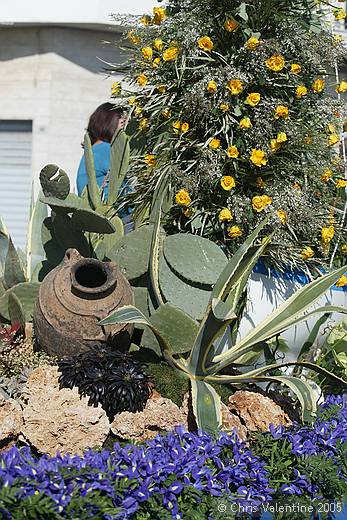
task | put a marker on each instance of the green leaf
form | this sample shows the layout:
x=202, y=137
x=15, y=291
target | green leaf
x=119, y=163
x=155, y=247
x=70, y=204
x=13, y=273
x=27, y=293
x=93, y=188
x=306, y=347
x=35, y=251
x=194, y=258
x=54, y=182
x=4, y=241
x=16, y=311
x=91, y=221
x=206, y=406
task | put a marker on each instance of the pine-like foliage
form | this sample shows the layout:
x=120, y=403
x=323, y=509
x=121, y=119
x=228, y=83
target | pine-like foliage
x=239, y=109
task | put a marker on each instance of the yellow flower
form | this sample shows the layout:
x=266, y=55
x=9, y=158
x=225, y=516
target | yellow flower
x=342, y=281
x=234, y=231
x=253, y=99
x=132, y=100
x=260, y=183
x=158, y=44
x=143, y=123
x=233, y=152
x=231, y=25
x=260, y=202
x=308, y=139
x=227, y=182
x=146, y=19
x=282, y=215
x=318, y=85
x=147, y=53
x=142, y=80
x=301, y=91
x=307, y=253
x=150, y=160
x=235, y=86
x=224, y=107
x=166, y=113
x=170, y=54
x=341, y=183
x=341, y=87
x=132, y=36
x=245, y=123
x=332, y=128
x=339, y=13
x=211, y=87
x=282, y=137
x=116, y=88
x=328, y=234
x=205, y=43
x=252, y=43
x=326, y=175
x=161, y=88
x=184, y=127
x=182, y=198
x=274, y=145
x=281, y=111
x=258, y=157
x=138, y=111
x=275, y=63
x=214, y=144
x=188, y=212
x=176, y=126
x=296, y=186
x=295, y=68
x=333, y=139
x=159, y=15
x=344, y=249
x=225, y=215
x=156, y=62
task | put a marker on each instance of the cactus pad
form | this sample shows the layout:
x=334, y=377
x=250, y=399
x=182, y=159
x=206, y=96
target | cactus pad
x=54, y=181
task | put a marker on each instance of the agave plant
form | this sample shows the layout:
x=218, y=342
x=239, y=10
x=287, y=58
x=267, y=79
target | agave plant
x=207, y=362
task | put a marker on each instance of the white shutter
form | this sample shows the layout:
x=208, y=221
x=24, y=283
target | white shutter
x=15, y=177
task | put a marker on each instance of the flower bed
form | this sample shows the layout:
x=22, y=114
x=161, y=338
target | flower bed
x=180, y=475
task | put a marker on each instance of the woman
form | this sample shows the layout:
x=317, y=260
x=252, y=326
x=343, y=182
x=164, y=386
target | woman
x=101, y=127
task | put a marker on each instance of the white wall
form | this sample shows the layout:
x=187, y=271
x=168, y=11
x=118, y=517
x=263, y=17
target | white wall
x=52, y=76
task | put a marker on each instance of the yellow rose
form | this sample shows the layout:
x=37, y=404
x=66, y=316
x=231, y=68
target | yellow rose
x=211, y=87
x=258, y=157
x=184, y=128
x=341, y=87
x=214, y=144
x=344, y=249
x=333, y=139
x=147, y=53
x=132, y=100
x=301, y=91
x=275, y=63
x=176, y=126
x=150, y=160
x=227, y=182
x=318, y=85
x=233, y=152
x=170, y=54
x=142, y=80
x=341, y=183
x=235, y=86
x=260, y=183
x=245, y=123
x=326, y=176
x=156, y=62
x=116, y=88
x=143, y=123
x=166, y=113
x=159, y=15
x=225, y=215
x=260, y=202
x=282, y=215
x=132, y=36
x=342, y=281
x=281, y=111
x=253, y=99
x=231, y=25
x=328, y=234
x=182, y=198
x=205, y=43
x=158, y=44
x=295, y=68
x=252, y=43
x=307, y=253
x=234, y=231
x=339, y=13
x=224, y=107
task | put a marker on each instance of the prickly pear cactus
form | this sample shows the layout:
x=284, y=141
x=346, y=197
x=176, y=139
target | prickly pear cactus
x=54, y=182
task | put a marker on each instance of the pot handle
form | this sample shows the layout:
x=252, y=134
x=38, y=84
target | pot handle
x=72, y=256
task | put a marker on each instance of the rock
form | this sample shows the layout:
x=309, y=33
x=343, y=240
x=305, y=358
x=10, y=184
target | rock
x=57, y=419
x=160, y=414
x=257, y=411
x=11, y=421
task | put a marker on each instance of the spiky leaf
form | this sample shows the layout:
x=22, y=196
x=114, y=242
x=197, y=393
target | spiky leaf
x=92, y=186
x=26, y=293
x=35, y=251
x=16, y=311
x=13, y=273
x=206, y=406
x=119, y=163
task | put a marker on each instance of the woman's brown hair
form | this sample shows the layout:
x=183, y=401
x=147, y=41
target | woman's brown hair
x=104, y=122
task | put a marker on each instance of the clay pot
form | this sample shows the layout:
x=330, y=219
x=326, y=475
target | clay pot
x=73, y=298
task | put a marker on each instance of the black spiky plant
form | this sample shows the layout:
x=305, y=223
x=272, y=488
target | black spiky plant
x=108, y=377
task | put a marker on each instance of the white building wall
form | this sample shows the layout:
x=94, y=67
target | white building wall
x=52, y=76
